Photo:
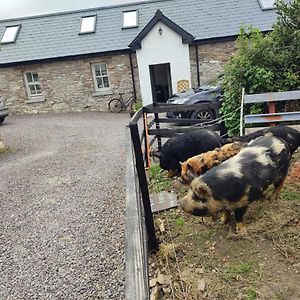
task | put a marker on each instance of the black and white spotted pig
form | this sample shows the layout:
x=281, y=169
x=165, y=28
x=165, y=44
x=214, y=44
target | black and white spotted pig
x=290, y=135
x=258, y=170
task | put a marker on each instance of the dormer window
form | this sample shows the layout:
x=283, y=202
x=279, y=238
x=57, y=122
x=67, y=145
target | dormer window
x=267, y=4
x=130, y=19
x=88, y=25
x=10, y=34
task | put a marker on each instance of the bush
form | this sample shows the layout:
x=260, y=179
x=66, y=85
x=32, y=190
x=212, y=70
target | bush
x=137, y=105
x=263, y=63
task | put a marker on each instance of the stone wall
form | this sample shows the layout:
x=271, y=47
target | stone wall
x=212, y=58
x=67, y=85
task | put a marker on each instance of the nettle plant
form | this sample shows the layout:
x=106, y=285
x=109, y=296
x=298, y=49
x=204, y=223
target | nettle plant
x=263, y=63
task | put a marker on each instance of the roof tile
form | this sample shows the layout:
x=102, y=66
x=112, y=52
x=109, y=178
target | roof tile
x=56, y=35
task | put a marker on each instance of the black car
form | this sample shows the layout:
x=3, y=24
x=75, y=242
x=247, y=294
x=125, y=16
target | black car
x=3, y=110
x=203, y=94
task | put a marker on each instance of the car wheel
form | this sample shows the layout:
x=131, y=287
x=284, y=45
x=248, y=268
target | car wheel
x=2, y=120
x=203, y=115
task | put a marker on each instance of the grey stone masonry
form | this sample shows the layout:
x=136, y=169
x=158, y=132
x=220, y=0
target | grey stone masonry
x=212, y=58
x=68, y=85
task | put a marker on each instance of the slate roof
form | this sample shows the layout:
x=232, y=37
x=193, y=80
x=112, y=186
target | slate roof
x=56, y=35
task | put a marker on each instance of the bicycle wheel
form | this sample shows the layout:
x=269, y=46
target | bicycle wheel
x=115, y=105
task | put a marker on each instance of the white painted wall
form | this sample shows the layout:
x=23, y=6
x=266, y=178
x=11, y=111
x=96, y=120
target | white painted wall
x=160, y=49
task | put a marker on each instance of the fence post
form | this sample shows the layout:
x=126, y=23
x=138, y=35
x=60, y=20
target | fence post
x=153, y=245
x=242, y=112
x=146, y=139
x=157, y=126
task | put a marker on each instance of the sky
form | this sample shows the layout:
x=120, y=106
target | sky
x=20, y=8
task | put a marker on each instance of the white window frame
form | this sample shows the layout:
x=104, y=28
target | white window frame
x=33, y=97
x=92, y=30
x=13, y=38
x=124, y=26
x=265, y=4
x=100, y=89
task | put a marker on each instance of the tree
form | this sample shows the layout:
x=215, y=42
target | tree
x=263, y=63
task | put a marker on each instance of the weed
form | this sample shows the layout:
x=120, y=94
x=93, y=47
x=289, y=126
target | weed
x=179, y=221
x=290, y=195
x=158, y=180
x=4, y=149
x=280, y=296
x=243, y=270
x=250, y=294
x=137, y=105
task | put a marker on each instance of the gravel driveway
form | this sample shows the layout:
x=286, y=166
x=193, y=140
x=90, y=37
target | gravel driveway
x=62, y=206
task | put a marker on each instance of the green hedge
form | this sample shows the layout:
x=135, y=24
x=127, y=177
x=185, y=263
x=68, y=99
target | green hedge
x=263, y=63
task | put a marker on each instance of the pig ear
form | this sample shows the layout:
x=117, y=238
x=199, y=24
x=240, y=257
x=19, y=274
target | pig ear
x=191, y=173
x=190, y=167
x=157, y=154
x=202, y=190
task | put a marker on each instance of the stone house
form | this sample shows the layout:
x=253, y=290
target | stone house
x=79, y=60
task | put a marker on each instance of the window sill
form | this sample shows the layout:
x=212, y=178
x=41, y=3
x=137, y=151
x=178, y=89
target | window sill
x=102, y=93
x=35, y=99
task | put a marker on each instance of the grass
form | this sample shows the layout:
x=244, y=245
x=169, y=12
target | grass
x=158, y=180
x=5, y=149
x=290, y=195
x=137, y=105
x=280, y=296
x=250, y=294
x=234, y=267
x=242, y=270
x=179, y=221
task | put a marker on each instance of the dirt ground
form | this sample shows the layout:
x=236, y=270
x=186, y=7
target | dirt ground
x=201, y=259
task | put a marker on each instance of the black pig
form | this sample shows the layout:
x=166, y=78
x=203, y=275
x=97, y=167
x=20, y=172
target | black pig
x=181, y=147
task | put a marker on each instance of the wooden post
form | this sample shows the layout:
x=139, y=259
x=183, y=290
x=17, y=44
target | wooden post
x=157, y=126
x=147, y=146
x=139, y=161
x=242, y=112
x=271, y=108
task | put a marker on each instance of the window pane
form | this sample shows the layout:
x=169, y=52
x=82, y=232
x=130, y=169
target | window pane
x=32, y=90
x=100, y=83
x=267, y=4
x=105, y=82
x=88, y=24
x=34, y=87
x=35, y=77
x=103, y=69
x=38, y=89
x=29, y=77
x=130, y=18
x=10, y=34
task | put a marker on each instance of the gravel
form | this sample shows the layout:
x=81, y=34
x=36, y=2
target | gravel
x=62, y=206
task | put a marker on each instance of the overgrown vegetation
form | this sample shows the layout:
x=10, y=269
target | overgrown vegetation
x=137, y=105
x=263, y=63
x=158, y=179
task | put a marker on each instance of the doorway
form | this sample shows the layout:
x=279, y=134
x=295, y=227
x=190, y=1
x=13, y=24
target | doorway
x=161, y=86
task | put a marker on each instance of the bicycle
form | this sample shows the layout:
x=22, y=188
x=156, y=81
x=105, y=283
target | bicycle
x=116, y=105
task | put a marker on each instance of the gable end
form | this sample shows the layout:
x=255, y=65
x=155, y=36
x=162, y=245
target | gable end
x=160, y=17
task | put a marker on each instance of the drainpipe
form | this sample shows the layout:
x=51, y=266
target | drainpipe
x=132, y=76
x=197, y=63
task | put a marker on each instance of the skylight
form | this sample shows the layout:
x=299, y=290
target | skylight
x=10, y=34
x=130, y=19
x=88, y=24
x=266, y=4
